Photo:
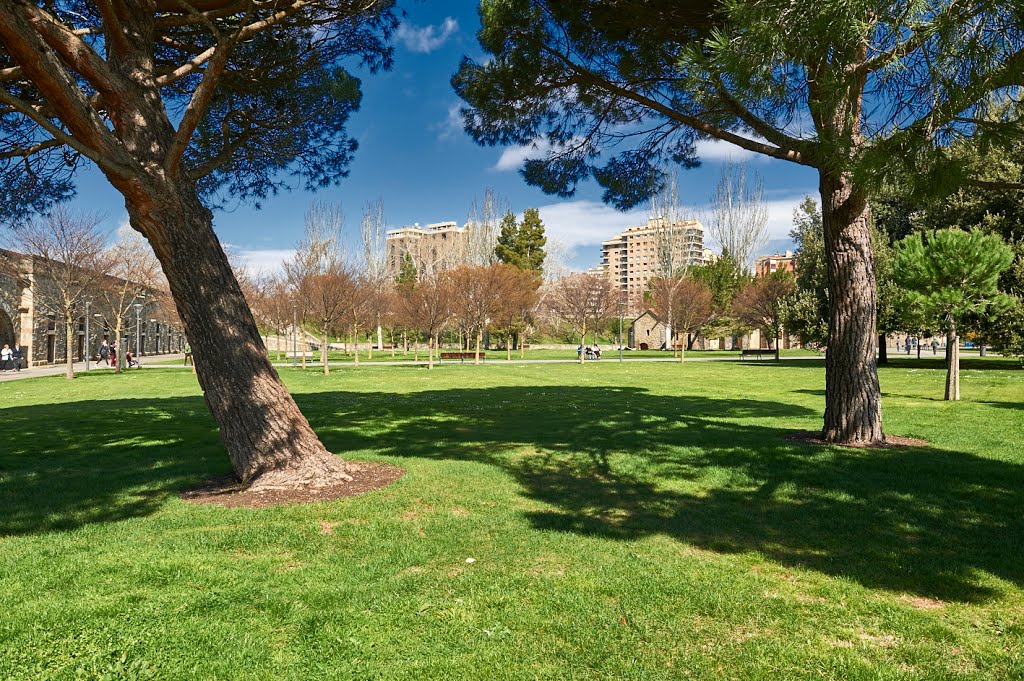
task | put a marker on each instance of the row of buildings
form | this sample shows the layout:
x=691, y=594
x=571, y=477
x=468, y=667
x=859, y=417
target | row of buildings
x=28, y=318
x=629, y=259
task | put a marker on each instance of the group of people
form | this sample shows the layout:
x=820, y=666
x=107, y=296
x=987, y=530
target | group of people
x=10, y=359
x=108, y=356
x=912, y=342
x=592, y=351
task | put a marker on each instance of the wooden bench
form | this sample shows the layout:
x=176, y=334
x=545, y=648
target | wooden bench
x=748, y=352
x=461, y=356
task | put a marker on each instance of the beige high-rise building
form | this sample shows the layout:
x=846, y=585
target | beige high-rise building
x=433, y=248
x=631, y=258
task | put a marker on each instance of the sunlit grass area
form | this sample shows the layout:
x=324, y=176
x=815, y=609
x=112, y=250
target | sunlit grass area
x=636, y=521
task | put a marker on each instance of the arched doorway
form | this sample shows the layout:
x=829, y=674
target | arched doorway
x=6, y=329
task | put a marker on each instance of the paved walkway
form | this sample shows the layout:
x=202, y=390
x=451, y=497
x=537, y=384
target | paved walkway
x=609, y=358
x=60, y=369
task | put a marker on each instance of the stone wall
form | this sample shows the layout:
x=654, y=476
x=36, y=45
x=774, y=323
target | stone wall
x=28, y=300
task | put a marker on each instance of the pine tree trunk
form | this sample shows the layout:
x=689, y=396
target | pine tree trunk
x=952, y=363
x=269, y=441
x=69, y=361
x=883, y=351
x=853, y=402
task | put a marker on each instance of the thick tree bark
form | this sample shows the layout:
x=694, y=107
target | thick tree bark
x=269, y=441
x=778, y=349
x=952, y=363
x=853, y=401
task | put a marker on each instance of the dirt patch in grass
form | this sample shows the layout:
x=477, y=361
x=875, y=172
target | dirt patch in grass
x=923, y=603
x=366, y=477
x=814, y=438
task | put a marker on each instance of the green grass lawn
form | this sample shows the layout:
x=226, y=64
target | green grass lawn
x=642, y=521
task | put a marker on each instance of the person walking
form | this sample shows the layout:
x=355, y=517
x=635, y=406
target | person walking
x=6, y=356
x=105, y=352
x=935, y=346
x=16, y=355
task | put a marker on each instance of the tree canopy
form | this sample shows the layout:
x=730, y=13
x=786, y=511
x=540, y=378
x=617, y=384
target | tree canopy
x=256, y=94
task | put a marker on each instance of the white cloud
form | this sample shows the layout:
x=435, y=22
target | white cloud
x=587, y=223
x=262, y=260
x=717, y=150
x=577, y=225
x=426, y=39
x=512, y=157
x=451, y=126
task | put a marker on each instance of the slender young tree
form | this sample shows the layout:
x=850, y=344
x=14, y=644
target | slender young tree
x=477, y=298
x=72, y=260
x=134, y=271
x=761, y=305
x=327, y=300
x=584, y=302
x=427, y=307
x=484, y=225
x=372, y=232
x=787, y=79
x=738, y=216
x=183, y=105
x=952, y=273
x=516, y=299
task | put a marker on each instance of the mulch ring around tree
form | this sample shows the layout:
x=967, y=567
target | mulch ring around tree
x=228, y=492
x=814, y=438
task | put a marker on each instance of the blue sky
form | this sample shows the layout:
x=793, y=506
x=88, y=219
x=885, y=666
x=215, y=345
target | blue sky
x=414, y=155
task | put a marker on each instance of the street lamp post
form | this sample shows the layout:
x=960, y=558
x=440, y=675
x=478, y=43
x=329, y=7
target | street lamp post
x=138, y=329
x=88, y=343
x=295, y=333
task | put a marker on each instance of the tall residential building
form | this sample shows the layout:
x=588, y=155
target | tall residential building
x=767, y=264
x=433, y=248
x=631, y=258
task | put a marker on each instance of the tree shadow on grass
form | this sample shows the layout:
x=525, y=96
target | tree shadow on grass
x=618, y=463
x=623, y=464
x=70, y=464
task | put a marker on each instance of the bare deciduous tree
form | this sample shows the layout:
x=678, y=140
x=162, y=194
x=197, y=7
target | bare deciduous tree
x=373, y=232
x=584, y=302
x=71, y=255
x=427, y=308
x=476, y=298
x=517, y=297
x=134, y=274
x=759, y=304
x=738, y=217
x=327, y=299
x=484, y=225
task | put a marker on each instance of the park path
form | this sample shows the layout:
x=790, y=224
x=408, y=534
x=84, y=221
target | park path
x=59, y=369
